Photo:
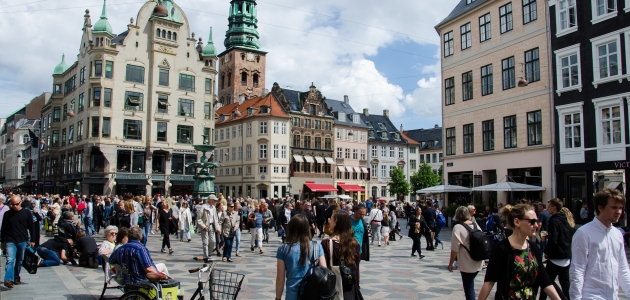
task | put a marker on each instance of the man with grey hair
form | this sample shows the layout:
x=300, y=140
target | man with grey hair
x=208, y=221
x=137, y=258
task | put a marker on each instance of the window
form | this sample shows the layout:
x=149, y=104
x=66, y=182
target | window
x=610, y=128
x=248, y=152
x=262, y=170
x=392, y=151
x=467, y=86
x=507, y=66
x=95, y=126
x=603, y=10
x=449, y=91
x=509, y=132
x=161, y=131
x=448, y=44
x=534, y=128
x=328, y=126
x=469, y=138
x=413, y=164
x=342, y=116
x=184, y=134
x=96, y=96
x=262, y=151
x=422, y=158
x=135, y=74
x=80, y=130
x=374, y=151
x=434, y=158
x=355, y=154
x=532, y=66
x=208, y=86
x=187, y=82
x=363, y=154
x=486, y=80
x=284, y=152
x=186, y=108
x=63, y=137
x=488, y=135
x=133, y=101
x=307, y=141
x=610, y=121
x=56, y=114
x=505, y=14
x=98, y=68
x=240, y=152
x=296, y=141
x=296, y=122
x=401, y=152
x=82, y=76
x=109, y=69
x=339, y=133
x=162, y=106
x=107, y=97
x=450, y=141
x=163, y=77
x=276, y=151
x=568, y=66
x=384, y=172
x=465, y=36
x=485, y=29
x=572, y=130
x=606, y=59
x=284, y=128
x=440, y=155
x=529, y=11
x=318, y=142
x=81, y=103
x=307, y=123
x=312, y=109
x=566, y=17
x=240, y=130
x=106, y=127
x=233, y=133
x=263, y=127
x=132, y=129
x=383, y=151
x=249, y=129
x=64, y=112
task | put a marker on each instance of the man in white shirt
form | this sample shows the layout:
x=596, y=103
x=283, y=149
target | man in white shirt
x=207, y=223
x=599, y=265
x=375, y=218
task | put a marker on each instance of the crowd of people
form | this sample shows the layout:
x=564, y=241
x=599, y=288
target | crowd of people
x=529, y=246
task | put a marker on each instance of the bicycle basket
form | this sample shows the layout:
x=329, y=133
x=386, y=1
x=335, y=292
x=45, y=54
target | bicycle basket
x=225, y=285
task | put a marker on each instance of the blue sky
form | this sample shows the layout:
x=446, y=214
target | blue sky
x=383, y=55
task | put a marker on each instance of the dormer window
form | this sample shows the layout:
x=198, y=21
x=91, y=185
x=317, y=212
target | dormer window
x=423, y=143
x=371, y=133
x=397, y=136
x=250, y=111
x=264, y=109
x=355, y=118
x=342, y=116
x=224, y=118
x=384, y=135
x=382, y=126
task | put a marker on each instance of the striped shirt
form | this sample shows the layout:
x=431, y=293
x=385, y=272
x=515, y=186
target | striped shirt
x=136, y=257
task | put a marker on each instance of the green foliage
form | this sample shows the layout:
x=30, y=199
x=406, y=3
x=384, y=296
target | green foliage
x=424, y=178
x=441, y=174
x=398, y=184
x=450, y=210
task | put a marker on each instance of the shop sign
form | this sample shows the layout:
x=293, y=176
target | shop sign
x=449, y=164
x=622, y=164
x=130, y=176
x=48, y=183
x=182, y=178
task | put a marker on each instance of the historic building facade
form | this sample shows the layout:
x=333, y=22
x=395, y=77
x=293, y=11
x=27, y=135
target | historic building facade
x=428, y=150
x=481, y=39
x=124, y=116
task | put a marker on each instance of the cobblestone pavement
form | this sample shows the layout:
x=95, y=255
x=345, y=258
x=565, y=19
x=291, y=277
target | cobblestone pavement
x=390, y=274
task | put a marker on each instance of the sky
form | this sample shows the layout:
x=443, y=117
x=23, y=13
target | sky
x=383, y=55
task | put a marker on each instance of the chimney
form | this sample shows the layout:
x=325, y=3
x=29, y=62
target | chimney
x=386, y=113
x=365, y=112
x=346, y=99
x=264, y=92
x=437, y=126
x=401, y=128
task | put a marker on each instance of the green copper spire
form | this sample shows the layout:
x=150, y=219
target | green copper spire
x=62, y=67
x=242, y=26
x=103, y=24
x=209, y=49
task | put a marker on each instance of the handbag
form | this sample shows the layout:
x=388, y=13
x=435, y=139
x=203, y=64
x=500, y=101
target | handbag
x=281, y=232
x=337, y=271
x=30, y=261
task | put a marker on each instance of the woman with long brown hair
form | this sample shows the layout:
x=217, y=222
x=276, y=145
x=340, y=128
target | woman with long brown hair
x=294, y=257
x=346, y=249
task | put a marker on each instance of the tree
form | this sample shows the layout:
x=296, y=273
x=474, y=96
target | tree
x=441, y=174
x=424, y=178
x=398, y=184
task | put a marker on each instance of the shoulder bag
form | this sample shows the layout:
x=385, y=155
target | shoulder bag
x=337, y=271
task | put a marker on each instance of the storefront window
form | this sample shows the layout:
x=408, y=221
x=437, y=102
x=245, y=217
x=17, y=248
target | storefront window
x=177, y=164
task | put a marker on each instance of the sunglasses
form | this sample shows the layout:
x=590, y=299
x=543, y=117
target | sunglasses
x=14, y=204
x=113, y=233
x=531, y=221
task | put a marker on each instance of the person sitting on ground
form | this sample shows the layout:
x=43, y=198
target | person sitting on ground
x=54, y=251
x=136, y=257
x=87, y=249
x=68, y=228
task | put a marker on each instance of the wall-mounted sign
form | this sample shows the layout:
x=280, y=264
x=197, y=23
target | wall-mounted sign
x=449, y=164
x=622, y=164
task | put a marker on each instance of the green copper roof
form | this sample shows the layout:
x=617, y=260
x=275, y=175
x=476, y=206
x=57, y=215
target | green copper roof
x=103, y=25
x=62, y=67
x=173, y=14
x=209, y=49
x=242, y=26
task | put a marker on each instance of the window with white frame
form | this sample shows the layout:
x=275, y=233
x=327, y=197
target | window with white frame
x=572, y=127
x=276, y=151
x=401, y=152
x=610, y=128
x=384, y=172
x=276, y=126
x=339, y=152
x=263, y=127
x=606, y=58
x=466, y=36
x=284, y=151
x=284, y=128
x=374, y=170
x=383, y=151
x=568, y=76
x=566, y=17
x=374, y=151
x=603, y=10
x=610, y=121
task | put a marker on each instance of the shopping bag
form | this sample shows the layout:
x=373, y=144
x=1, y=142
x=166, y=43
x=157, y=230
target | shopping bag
x=30, y=261
x=192, y=229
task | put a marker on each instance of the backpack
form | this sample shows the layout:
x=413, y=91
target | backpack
x=320, y=282
x=490, y=223
x=441, y=220
x=125, y=220
x=480, y=247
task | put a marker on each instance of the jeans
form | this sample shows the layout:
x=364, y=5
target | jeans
x=562, y=273
x=49, y=257
x=15, y=255
x=227, y=250
x=89, y=226
x=468, y=280
x=237, y=240
x=147, y=228
x=183, y=233
x=376, y=232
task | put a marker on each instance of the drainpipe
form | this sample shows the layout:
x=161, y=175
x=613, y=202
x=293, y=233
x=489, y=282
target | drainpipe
x=551, y=107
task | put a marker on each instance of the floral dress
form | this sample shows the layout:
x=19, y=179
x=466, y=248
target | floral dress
x=523, y=275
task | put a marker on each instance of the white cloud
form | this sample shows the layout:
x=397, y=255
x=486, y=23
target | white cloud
x=325, y=42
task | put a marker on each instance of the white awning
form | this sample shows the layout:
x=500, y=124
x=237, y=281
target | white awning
x=298, y=158
x=365, y=170
x=341, y=168
x=309, y=159
x=319, y=160
x=349, y=169
x=357, y=169
x=330, y=161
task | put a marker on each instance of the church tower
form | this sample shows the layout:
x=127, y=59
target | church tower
x=242, y=64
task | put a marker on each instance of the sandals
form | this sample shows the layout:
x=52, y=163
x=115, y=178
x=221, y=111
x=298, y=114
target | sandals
x=230, y=260
x=238, y=254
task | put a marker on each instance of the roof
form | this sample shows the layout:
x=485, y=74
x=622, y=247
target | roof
x=377, y=123
x=409, y=140
x=340, y=106
x=119, y=39
x=229, y=111
x=102, y=25
x=460, y=9
x=62, y=67
x=426, y=136
x=209, y=49
x=294, y=98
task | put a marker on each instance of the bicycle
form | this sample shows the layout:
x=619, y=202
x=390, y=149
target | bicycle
x=217, y=285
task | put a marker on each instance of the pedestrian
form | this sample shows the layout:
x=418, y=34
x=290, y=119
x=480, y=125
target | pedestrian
x=237, y=234
x=460, y=242
x=256, y=232
x=185, y=222
x=584, y=213
x=3, y=208
x=294, y=257
x=130, y=210
x=385, y=229
x=88, y=217
x=558, y=249
x=98, y=214
x=598, y=257
x=73, y=202
x=376, y=216
x=229, y=222
x=221, y=204
x=320, y=216
x=56, y=209
x=417, y=226
x=164, y=222
x=437, y=228
x=208, y=223
x=346, y=251
x=516, y=263
x=360, y=228
x=430, y=218
x=267, y=219
x=17, y=224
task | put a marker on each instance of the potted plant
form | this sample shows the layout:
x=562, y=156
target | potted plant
x=450, y=212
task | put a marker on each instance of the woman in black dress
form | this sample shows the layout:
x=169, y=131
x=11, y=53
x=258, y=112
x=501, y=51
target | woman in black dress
x=165, y=216
x=417, y=227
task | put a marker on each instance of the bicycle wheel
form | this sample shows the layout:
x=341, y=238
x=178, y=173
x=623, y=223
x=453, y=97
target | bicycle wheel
x=134, y=295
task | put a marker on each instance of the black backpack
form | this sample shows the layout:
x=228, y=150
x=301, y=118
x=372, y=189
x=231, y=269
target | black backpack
x=480, y=247
x=125, y=220
x=320, y=282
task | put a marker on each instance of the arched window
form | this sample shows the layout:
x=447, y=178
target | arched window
x=157, y=32
x=255, y=80
x=242, y=56
x=222, y=81
x=229, y=79
x=163, y=33
x=168, y=35
x=174, y=36
x=244, y=79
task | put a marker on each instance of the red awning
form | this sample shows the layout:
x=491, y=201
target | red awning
x=320, y=187
x=351, y=187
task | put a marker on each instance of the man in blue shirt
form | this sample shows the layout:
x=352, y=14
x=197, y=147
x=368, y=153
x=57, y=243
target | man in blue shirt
x=137, y=259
